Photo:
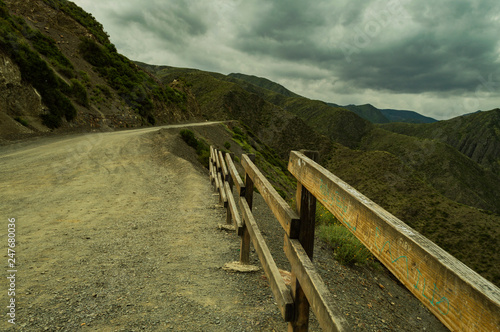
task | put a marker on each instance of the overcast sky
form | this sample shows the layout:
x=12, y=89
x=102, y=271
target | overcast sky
x=440, y=58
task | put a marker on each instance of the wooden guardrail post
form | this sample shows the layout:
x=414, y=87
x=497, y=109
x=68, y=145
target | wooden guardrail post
x=306, y=208
x=245, y=238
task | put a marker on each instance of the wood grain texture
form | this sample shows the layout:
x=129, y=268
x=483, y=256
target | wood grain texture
x=222, y=190
x=245, y=237
x=458, y=296
x=240, y=186
x=281, y=292
x=306, y=208
x=288, y=219
x=320, y=298
x=225, y=173
x=233, y=211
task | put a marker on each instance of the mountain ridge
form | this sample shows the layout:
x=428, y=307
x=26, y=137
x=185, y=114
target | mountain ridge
x=476, y=135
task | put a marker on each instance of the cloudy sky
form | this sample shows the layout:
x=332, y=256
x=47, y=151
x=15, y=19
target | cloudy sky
x=440, y=58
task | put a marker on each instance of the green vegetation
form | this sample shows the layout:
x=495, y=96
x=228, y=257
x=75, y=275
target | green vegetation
x=47, y=47
x=79, y=92
x=475, y=135
x=82, y=17
x=136, y=87
x=34, y=69
x=21, y=121
x=104, y=90
x=266, y=159
x=85, y=78
x=348, y=250
x=201, y=147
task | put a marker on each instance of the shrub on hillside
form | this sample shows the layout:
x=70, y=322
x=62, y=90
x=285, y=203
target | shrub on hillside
x=347, y=248
x=79, y=92
x=201, y=147
x=188, y=137
x=34, y=70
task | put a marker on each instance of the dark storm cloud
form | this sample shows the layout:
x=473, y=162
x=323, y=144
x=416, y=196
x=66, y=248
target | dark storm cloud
x=450, y=47
x=170, y=21
x=400, y=46
x=422, y=55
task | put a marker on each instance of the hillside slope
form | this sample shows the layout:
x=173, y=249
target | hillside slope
x=445, y=169
x=59, y=71
x=221, y=99
x=476, y=135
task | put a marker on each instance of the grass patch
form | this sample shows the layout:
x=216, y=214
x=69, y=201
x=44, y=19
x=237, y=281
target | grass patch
x=21, y=121
x=348, y=250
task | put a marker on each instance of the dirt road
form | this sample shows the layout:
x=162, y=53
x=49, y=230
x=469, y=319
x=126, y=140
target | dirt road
x=115, y=233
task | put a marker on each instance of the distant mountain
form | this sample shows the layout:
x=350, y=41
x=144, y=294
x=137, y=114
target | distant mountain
x=368, y=112
x=406, y=116
x=476, y=135
x=380, y=116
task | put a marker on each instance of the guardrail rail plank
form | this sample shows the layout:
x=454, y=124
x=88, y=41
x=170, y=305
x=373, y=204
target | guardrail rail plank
x=280, y=291
x=458, y=296
x=238, y=224
x=240, y=186
x=285, y=215
x=320, y=298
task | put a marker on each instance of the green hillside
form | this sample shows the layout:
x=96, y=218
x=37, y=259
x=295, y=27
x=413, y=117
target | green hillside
x=406, y=116
x=475, y=135
x=265, y=84
x=469, y=234
x=454, y=175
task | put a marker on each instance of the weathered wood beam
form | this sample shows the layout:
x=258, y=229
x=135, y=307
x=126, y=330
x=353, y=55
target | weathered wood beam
x=320, y=298
x=240, y=186
x=245, y=237
x=222, y=190
x=458, y=296
x=288, y=219
x=281, y=292
x=233, y=211
x=225, y=173
x=306, y=208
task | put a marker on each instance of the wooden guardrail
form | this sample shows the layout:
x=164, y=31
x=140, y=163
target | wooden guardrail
x=458, y=296
x=307, y=289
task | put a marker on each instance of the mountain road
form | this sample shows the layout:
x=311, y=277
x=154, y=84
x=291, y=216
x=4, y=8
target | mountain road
x=113, y=232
